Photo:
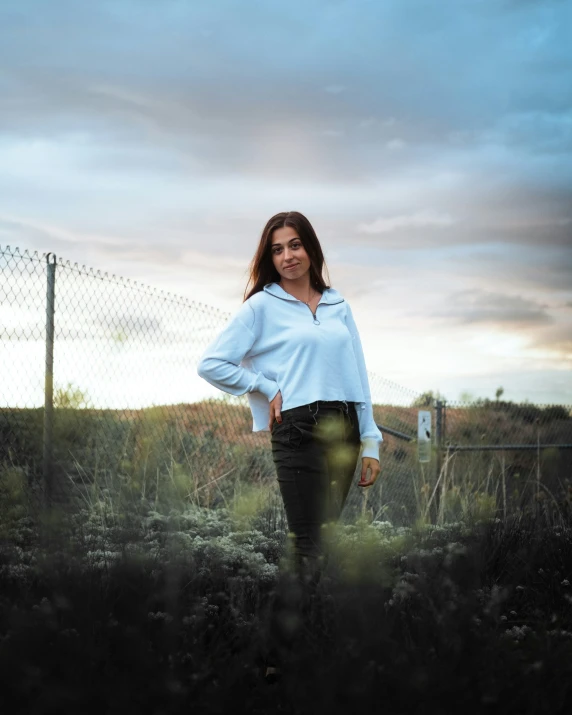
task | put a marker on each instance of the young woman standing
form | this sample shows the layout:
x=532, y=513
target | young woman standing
x=293, y=347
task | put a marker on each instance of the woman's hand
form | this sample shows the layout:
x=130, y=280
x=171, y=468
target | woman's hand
x=276, y=409
x=371, y=464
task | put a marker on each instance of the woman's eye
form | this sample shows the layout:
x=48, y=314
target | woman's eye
x=294, y=245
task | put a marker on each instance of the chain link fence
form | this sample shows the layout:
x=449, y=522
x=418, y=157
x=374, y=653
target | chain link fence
x=498, y=457
x=100, y=388
x=99, y=391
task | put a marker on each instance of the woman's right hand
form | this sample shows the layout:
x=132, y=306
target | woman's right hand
x=276, y=410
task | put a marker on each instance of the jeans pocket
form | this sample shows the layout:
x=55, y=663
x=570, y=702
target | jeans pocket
x=301, y=433
x=281, y=433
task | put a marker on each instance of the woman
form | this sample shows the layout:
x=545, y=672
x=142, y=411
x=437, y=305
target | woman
x=293, y=347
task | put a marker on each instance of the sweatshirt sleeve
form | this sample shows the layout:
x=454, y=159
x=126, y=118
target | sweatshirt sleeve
x=220, y=363
x=370, y=434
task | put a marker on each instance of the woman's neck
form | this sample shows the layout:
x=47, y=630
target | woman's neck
x=303, y=292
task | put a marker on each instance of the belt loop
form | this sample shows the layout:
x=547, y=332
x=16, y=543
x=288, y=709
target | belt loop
x=317, y=403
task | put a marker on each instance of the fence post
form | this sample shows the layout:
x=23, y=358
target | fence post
x=439, y=446
x=47, y=466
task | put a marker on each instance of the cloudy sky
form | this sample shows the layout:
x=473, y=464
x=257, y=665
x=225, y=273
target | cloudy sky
x=429, y=143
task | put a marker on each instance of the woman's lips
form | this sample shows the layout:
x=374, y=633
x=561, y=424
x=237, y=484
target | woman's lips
x=289, y=268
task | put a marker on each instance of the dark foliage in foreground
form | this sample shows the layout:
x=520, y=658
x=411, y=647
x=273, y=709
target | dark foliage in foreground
x=459, y=621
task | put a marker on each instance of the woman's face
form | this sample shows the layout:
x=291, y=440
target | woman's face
x=287, y=250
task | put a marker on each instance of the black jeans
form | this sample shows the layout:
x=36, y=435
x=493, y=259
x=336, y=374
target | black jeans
x=315, y=451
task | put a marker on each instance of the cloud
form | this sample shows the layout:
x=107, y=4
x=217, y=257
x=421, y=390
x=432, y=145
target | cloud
x=55, y=234
x=332, y=133
x=537, y=267
x=419, y=219
x=477, y=306
x=156, y=140
x=162, y=76
x=557, y=336
x=395, y=144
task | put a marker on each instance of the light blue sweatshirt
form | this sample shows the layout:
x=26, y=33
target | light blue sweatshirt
x=273, y=343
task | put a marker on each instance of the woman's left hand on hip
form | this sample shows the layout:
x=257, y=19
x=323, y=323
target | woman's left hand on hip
x=374, y=467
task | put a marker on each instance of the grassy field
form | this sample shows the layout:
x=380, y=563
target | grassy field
x=202, y=453
x=161, y=581
x=154, y=606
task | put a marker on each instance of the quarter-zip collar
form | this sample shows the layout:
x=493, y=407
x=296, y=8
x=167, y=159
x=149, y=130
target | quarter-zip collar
x=330, y=295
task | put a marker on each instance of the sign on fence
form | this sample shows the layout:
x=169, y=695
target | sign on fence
x=424, y=436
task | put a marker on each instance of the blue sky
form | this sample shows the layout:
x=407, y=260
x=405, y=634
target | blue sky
x=429, y=143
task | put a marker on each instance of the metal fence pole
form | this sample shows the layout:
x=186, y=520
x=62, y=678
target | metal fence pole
x=439, y=446
x=47, y=467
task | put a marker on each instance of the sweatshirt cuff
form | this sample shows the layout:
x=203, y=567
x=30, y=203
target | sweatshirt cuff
x=269, y=388
x=370, y=448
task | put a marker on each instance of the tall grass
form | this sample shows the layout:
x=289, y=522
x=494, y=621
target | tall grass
x=148, y=603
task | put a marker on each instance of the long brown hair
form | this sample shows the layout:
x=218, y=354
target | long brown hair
x=262, y=270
